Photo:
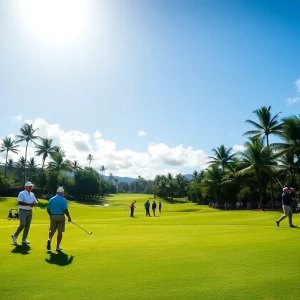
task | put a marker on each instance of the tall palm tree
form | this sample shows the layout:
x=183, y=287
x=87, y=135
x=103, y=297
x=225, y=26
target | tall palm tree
x=27, y=135
x=90, y=157
x=266, y=125
x=75, y=166
x=45, y=149
x=259, y=160
x=8, y=145
x=32, y=167
x=222, y=158
x=58, y=164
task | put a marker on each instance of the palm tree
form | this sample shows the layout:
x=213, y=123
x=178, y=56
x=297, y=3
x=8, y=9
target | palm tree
x=75, y=166
x=58, y=164
x=102, y=169
x=212, y=182
x=181, y=183
x=44, y=149
x=10, y=165
x=21, y=166
x=59, y=150
x=259, y=160
x=8, y=145
x=287, y=166
x=32, y=167
x=266, y=125
x=223, y=157
x=27, y=135
x=290, y=137
x=90, y=157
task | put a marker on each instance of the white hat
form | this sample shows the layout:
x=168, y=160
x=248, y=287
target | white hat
x=60, y=190
x=28, y=183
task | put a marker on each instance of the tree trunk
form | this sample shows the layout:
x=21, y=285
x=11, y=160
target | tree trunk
x=24, y=179
x=5, y=164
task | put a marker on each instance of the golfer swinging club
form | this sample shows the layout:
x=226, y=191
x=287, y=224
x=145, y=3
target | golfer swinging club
x=57, y=208
x=287, y=199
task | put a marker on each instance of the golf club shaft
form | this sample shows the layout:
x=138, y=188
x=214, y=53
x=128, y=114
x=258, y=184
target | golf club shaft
x=279, y=182
x=80, y=227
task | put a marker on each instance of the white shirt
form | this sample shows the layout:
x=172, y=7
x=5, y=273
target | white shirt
x=26, y=197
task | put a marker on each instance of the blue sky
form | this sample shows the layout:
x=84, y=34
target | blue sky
x=185, y=72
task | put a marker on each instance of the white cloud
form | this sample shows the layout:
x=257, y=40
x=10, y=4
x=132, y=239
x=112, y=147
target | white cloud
x=18, y=118
x=292, y=100
x=238, y=148
x=297, y=82
x=157, y=159
x=142, y=133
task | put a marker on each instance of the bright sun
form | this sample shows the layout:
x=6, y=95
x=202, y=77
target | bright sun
x=55, y=22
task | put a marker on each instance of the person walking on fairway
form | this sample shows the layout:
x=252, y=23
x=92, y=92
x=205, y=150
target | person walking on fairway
x=132, y=207
x=287, y=198
x=159, y=207
x=57, y=208
x=147, y=207
x=26, y=200
x=154, y=207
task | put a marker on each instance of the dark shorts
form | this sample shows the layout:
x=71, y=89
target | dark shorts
x=57, y=222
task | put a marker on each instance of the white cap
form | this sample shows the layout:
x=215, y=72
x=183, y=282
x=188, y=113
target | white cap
x=28, y=183
x=60, y=190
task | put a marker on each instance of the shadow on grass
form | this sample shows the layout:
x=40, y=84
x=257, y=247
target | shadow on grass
x=21, y=249
x=91, y=201
x=59, y=258
x=2, y=199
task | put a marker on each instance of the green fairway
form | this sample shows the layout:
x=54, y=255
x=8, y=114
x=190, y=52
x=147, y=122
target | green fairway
x=186, y=252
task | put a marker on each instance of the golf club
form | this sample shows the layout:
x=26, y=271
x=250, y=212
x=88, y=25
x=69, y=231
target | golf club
x=82, y=228
x=279, y=182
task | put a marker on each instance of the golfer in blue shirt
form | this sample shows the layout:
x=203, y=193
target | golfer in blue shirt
x=57, y=208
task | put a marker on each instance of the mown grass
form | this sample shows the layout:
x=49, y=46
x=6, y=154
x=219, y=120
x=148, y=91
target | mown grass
x=187, y=252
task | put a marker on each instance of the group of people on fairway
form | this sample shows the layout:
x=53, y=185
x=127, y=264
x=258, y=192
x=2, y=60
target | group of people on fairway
x=147, y=208
x=57, y=208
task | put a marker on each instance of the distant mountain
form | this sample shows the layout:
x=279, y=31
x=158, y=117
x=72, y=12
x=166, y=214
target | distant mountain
x=130, y=179
x=120, y=179
x=188, y=176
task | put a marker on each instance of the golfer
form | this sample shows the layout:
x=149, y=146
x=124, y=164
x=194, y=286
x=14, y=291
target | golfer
x=147, y=207
x=287, y=198
x=154, y=207
x=132, y=207
x=57, y=208
x=26, y=200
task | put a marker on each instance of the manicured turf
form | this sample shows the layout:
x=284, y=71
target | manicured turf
x=187, y=252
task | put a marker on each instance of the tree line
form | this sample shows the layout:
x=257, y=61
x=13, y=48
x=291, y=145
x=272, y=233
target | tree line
x=255, y=174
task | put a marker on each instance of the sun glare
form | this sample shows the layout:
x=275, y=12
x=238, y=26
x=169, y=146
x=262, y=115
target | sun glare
x=55, y=22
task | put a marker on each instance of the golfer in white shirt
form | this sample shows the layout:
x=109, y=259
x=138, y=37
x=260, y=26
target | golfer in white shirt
x=26, y=200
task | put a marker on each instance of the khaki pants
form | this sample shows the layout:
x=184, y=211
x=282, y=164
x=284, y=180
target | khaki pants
x=287, y=212
x=25, y=217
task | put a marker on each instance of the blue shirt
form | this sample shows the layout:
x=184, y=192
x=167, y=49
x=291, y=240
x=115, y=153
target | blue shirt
x=57, y=205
